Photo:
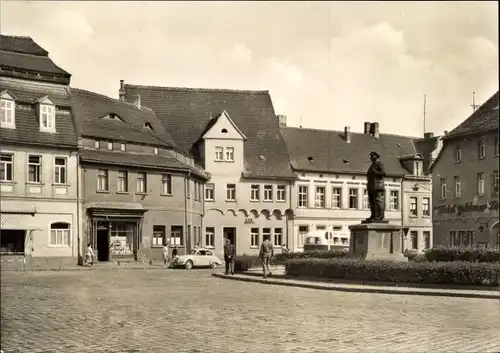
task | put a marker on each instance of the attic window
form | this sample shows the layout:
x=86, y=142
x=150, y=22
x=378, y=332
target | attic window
x=7, y=111
x=262, y=158
x=47, y=115
x=400, y=145
x=224, y=131
x=148, y=125
x=112, y=116
x=310, y=159
x=345, y=161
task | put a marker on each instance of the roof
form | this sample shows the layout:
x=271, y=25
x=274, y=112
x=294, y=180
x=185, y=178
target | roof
x=186, y=112
x=27, y=129
x=19, y=44
x=426, y=146
x=485, y=118
x=331, y=153
x=138, y=160
x=90, y=108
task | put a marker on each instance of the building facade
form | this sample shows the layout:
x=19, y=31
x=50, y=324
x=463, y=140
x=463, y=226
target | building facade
x=235, y=136
x=465, y=181
x=331, y=192
x=39, y=155
x=139, y=190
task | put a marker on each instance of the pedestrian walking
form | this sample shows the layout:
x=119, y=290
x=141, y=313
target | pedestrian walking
x=165, y=253
x=229, y=255
x=175, y=252
x=89, y=256
x=265, y=254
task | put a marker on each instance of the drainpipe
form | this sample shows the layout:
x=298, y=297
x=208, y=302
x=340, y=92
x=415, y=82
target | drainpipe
x=290, y=207
x=402, y=214
x=78, y=220
x=186, y=181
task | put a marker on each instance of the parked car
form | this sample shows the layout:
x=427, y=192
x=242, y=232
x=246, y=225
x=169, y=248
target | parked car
x=197, y=258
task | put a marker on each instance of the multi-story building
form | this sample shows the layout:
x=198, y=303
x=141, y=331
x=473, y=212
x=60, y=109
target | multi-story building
x=140, y=191
x=38, y=168
x=465, y=179
x=331, y=193
x=235, y=136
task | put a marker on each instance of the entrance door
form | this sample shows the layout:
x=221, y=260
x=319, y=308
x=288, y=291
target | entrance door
x=102, y=245
x=230, y=233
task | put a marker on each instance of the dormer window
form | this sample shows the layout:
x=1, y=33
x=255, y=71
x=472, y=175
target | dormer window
x=417, y=168
x=7, y=111
x=97, y=145
x=155, y=150
x=46, y=114
x=110, y=146
x=148, y=125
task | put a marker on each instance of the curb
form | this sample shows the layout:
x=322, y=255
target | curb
x=364, y=289
x=81, y=269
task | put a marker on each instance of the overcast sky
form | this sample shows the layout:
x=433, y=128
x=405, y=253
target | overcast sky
x=327, y=65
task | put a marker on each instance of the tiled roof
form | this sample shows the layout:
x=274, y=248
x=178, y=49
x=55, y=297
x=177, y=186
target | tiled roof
x=24, y=45
x=138, y=160
x=331, y=153
x=185, y=112
x=90, y=108
x=27, y=129
x=483, y=119
x=30, y=62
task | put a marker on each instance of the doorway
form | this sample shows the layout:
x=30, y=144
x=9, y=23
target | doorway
x=102, y=244
x=230, y=233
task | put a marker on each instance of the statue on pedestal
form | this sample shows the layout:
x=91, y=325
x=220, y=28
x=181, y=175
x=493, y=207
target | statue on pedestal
x=376, y=189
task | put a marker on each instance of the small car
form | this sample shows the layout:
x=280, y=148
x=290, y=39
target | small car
x=197, y=258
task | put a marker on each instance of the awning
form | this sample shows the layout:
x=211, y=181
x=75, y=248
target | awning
x=18, y=221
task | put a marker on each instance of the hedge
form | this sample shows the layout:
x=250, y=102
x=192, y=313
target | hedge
x=462, y=273
x=470, y=254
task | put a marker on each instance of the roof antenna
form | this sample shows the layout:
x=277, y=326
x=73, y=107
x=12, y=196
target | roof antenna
x=473, y=105
x=300, y=122
x=425, y=110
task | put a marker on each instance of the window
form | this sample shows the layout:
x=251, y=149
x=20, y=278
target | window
x=47, y=117
x=197, y=235
x=176, y=236
x=196, y=190
x=155, y=150
x=140, y=183
x=496, y=148
x=102, y=180
x=426, y=209
x=281, y=193
x=319, y=198
x=468, y=238
x=268, y=192
x=303, y=200
x=366, y=200
x=6, y=167
x=97, y=145
x=458, y=186
x=442, y=182
x=266, y=233
x=230, y=192
x=480, y=184
x=453, y=238
x=219, y=154
x=200, y=191
x=188, y=188
x=166, y=184
x=60, y=234
x=254, y=192
x=458, y=154
x=123, y=147
x=278, y=237
x=494, y=183
x=481, y=148
x=209, y=192
x=122, y=181
x=110, y=146
x=427, y=239
x=7, y=113
x=336, y=197
x=210, y=237
x=414, y=239
x=254, y=237
x=344, y=241
x=320, y=227
x=303, y=230
x=60, y=170
x=159, y=235
x=413, y=207
x=353, y=198
x=394, y=200
x=34, y=169
x=229, y=154
x=418, y=168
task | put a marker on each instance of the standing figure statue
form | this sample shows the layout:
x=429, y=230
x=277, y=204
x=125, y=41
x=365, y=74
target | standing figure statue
x=376, y=188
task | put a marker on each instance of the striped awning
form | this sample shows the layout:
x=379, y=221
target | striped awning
x=18, y=221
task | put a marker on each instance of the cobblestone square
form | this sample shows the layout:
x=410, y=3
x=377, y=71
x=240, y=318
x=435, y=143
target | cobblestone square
x=191, y=311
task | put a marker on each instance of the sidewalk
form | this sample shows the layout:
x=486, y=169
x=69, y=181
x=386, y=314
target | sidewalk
x=102, y=266
x=279, y=278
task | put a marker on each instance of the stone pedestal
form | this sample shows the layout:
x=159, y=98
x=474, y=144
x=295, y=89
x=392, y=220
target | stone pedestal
x=376, y=241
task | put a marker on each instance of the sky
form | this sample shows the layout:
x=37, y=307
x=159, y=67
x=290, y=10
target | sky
x=326, y=64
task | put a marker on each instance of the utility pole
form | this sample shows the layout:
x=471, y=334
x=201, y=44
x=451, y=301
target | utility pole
x=425, y=111
x=474, y=106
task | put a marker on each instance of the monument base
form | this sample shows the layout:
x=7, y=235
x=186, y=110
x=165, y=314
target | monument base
x=377, y=241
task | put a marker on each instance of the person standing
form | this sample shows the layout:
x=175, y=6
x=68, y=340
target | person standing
x=89, y=257
x=165, y=253
x=175, y=252
x=265, y=254
x=229, y=255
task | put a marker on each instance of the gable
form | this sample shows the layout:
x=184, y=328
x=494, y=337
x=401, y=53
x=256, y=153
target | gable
x=44, y=100
x=224, y=128
x=5, y=95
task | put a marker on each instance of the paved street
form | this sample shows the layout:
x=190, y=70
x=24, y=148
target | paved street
x=191, y=311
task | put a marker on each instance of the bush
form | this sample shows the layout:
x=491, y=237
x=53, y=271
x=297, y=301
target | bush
x=414, y=256
x=244, y=262
x=317, y=254
x=463, y=273
x=463, y=254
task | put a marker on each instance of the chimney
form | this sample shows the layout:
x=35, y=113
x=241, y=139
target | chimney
x=428, y=135
x=281, y=120
x=121, y=92
x=347, y=134
x=374, y=130
x=445, y=132
x=137, y=101
x=367, y=127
